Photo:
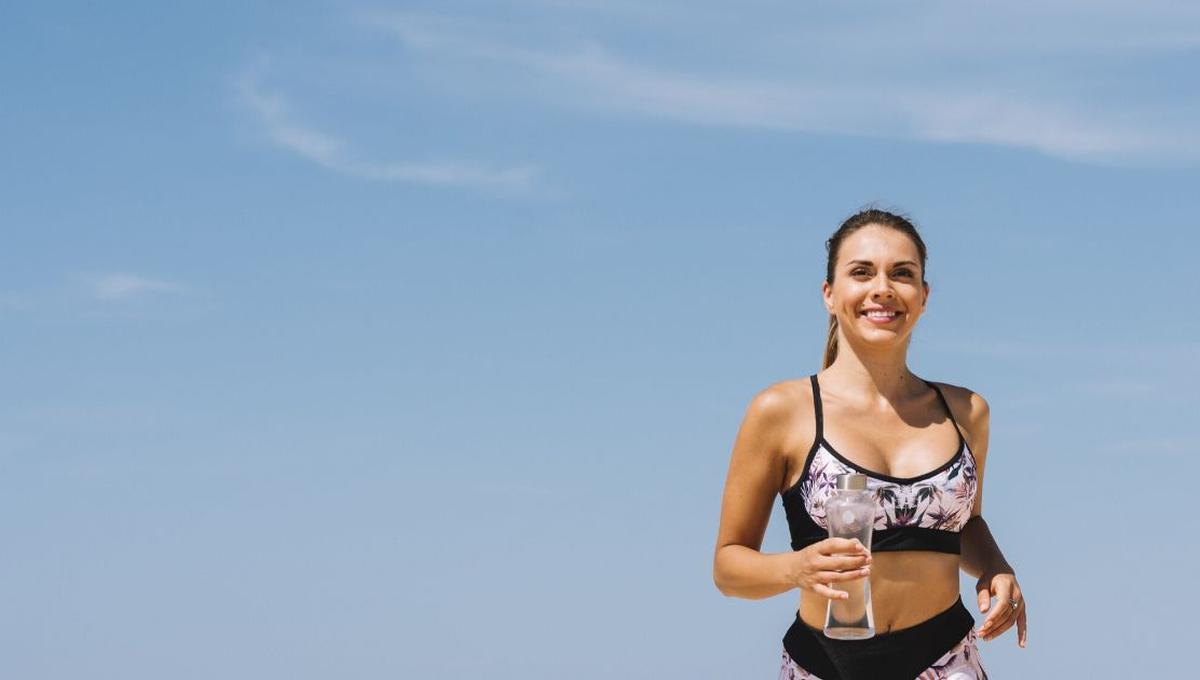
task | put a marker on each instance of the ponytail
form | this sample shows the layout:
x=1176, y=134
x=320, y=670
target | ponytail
x=831, y=343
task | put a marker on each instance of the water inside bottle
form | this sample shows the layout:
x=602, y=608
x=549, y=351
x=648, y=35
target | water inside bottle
x=849, y=516
x=851, y=618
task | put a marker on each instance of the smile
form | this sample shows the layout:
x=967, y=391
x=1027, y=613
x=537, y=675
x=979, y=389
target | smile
x=881, y=318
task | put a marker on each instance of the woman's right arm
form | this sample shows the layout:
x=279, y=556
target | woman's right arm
x=756, y=470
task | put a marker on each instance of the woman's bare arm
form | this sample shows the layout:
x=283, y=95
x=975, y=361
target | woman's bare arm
x=981, y=557
x=979, y=553
x=756, y=470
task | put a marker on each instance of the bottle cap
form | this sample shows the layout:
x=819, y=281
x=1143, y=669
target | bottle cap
x=852, y=481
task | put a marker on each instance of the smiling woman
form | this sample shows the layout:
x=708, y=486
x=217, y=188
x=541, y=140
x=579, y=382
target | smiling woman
x=897, y=429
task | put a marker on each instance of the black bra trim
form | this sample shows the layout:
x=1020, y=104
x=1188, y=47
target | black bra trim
x=812, y=450
x=820, y=439
x=898, y=538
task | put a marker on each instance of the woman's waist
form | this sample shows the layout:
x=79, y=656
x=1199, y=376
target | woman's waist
x=896, y=603
x=898, y=654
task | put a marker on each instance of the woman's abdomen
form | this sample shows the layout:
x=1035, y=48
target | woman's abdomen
x=907, y=587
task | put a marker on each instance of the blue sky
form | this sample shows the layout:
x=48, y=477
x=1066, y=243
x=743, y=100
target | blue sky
x=410, y=340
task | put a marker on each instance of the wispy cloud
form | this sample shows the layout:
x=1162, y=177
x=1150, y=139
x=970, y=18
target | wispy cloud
x=851, y=93
x=123, y=286
x=328, y=151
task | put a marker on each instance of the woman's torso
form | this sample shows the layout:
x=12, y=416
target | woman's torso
x=907, y=586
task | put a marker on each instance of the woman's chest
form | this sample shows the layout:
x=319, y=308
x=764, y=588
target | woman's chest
x=940, y=498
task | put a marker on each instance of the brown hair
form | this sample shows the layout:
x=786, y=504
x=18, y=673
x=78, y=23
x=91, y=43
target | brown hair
x=868, y=216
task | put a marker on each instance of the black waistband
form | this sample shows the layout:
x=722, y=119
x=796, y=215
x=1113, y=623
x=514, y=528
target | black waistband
x=895, y=655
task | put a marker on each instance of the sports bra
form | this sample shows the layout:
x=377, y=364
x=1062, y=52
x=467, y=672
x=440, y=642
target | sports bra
x=926, y=512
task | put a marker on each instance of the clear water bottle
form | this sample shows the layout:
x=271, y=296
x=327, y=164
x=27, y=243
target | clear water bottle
x=850, y=513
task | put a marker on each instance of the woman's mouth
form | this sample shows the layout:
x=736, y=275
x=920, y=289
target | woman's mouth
x=882, y=318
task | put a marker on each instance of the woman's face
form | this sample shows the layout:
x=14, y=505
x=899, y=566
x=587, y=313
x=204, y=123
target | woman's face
x=877, y=267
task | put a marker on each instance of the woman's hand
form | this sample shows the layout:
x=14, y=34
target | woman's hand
x=1003, y=586
x=827, y=561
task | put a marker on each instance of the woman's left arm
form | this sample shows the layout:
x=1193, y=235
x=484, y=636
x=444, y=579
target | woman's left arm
x=980, y=556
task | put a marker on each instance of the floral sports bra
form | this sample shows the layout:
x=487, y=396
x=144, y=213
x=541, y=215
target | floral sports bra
x=925, y=512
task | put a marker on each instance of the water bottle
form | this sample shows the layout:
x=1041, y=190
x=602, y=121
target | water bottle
x=850, y=513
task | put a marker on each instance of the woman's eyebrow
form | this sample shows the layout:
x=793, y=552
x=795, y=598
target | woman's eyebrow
x=873, y=264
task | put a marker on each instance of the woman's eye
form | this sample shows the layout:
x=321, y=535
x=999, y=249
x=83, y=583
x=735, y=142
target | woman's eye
x=860, y=270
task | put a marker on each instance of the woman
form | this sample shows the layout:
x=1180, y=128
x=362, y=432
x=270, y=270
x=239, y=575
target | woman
x=898, y=429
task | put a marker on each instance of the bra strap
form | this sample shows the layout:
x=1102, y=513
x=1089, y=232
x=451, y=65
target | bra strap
x=817, y=407
x=946, y=405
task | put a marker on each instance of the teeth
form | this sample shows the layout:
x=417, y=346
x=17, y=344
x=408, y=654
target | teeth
x=882, y=314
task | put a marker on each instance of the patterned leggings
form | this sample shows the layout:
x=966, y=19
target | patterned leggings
x=960, y=663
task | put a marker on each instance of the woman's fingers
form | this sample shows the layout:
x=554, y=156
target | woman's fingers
x=834, y=545
x=1008, y=621
x=984, y=596
x=1003, y=614
x=848, y=575
x=826, y=591
x=997, y=622
x=996, y=618
x=841, y=562
x=1021, y=625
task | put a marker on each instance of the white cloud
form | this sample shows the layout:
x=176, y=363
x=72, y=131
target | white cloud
x=332, y=153
x=122, y=286
x=946, y=75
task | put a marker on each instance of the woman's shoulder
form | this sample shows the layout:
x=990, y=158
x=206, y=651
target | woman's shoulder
x=969, y=407
x=786, y=407
x=784, y=397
